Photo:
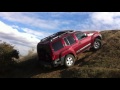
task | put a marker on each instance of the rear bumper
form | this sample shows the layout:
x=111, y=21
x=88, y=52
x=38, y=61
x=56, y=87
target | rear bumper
x=54, y=63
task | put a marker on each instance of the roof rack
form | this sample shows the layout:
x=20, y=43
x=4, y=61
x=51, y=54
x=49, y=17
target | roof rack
x=66, y=31
x=56, y=35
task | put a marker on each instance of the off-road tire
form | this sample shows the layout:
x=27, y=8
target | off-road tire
x=69, y=60
x=97, y=44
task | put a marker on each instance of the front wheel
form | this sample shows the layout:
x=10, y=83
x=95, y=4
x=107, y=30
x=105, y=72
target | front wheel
x=69, y=60
x=97, y=44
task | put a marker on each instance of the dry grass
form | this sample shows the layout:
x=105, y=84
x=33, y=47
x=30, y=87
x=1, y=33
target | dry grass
x=104, y=63
x=94, y=72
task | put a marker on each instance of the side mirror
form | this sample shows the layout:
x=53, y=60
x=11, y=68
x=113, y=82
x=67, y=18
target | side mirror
x=85, y=34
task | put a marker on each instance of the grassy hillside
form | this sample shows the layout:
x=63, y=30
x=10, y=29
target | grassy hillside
x=104, y=63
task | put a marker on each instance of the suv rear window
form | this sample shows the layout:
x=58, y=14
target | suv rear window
x=43, y=49
x=57, y=45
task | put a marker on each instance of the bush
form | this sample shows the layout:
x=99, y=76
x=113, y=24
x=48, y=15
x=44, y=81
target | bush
x=7, y=54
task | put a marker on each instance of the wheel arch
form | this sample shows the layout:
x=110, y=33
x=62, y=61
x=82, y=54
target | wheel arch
x=93, y=39
x=63, y=58
x=98, y=37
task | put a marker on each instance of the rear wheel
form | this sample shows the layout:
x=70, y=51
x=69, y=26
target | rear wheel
x=97, y=44
x=69, y=60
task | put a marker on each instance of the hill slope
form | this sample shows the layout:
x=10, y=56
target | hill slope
x=104, y=63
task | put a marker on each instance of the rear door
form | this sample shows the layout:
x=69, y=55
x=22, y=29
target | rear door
x=57, y=48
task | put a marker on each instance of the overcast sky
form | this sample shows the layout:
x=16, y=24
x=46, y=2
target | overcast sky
x=25, y=29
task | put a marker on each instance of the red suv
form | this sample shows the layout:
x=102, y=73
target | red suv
x=63, y=47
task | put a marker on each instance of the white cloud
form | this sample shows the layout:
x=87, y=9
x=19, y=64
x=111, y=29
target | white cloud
x=22, y=40
x=102, y=17
x=7, y=31
x=108, y=20
x=15, y=26
x=31, y=19
x=101, y=21
x=36, y=33
x=24, y=18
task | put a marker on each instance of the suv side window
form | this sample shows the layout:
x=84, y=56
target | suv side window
x=66, y=41
x=80, y=35
x=57, y=45
x=69, y=40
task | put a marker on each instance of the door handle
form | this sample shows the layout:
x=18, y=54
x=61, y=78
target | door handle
x=79, y=42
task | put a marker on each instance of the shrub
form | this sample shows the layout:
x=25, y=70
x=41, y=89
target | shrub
x=7, y=54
